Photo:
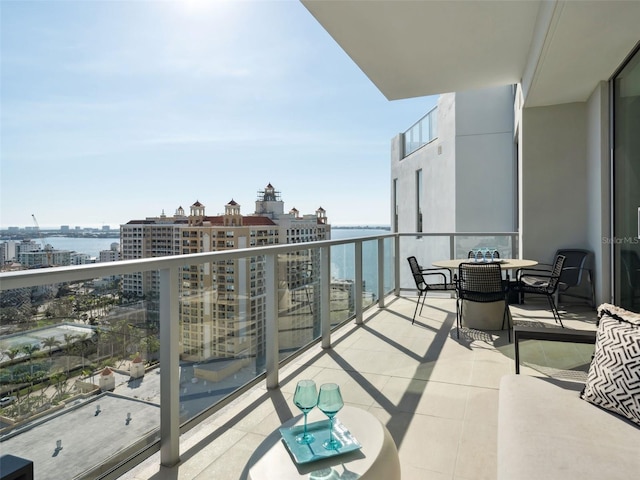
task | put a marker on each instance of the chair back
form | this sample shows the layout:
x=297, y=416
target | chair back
x=556, y=273
x=576, y=261
x=417, y=273
x=480, y=282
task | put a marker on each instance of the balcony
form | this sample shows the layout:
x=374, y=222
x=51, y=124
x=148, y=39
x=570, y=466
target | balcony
x=436, y=394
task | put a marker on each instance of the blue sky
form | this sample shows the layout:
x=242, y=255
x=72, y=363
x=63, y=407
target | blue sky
x=118, y=110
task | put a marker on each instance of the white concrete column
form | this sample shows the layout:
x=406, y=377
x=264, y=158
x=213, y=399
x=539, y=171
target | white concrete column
x=169, y=368
x=271, y=320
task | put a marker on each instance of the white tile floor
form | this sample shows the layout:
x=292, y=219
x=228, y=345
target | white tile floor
x=437, y=395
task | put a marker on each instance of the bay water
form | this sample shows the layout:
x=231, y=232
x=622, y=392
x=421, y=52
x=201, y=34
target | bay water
x=342, y=256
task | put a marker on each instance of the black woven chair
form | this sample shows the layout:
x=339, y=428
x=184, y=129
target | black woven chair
x=481, y=283
x=419, y=274
x=576, y=279
x=540, y=282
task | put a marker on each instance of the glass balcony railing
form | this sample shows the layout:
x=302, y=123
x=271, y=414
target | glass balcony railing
x=422, y=132
x=160, y=344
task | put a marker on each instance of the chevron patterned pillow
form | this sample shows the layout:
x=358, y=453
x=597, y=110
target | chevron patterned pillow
x=613, y=381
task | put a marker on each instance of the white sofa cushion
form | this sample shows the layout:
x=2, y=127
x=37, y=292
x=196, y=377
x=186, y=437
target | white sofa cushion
x=548, y=432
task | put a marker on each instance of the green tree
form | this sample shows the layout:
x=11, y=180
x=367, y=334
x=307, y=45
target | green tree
x=151, y=343
x=50, y=343
x=81, y=345
x=69, y=339
x=13, y=352
x=59, y=382
x=30, y=349
x=123, y=329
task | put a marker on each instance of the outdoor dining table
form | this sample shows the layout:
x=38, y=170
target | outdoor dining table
x=505, y=263
x=485, y=316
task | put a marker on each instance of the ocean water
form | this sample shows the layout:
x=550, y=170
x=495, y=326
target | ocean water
x=90, y=246
x=342, y=256
x=93, y=246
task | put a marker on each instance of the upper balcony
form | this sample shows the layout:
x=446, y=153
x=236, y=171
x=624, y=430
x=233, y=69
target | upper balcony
x=225, y=379
x=421, y=133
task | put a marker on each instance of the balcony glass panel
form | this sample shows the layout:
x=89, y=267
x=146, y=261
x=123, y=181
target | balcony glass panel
x=422, y=132
x=426, y=249
x=298, y=299
x=370, y=278
x=80, y=350
x=220, y=343
x=342, y=282
x=502, y=243
x=389, y=264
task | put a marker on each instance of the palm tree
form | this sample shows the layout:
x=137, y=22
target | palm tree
x=69, y=339
x=81, y=344
x=99, y=338
x=29, y=349
x=50, y=342
x=123, y=327
x=12, y=353
x=151, y=344
x=59, y=381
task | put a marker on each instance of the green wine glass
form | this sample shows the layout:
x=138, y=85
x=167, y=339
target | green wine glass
x=330, y=402
x=305, y=398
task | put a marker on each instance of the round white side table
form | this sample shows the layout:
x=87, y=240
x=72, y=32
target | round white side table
x=376, y=460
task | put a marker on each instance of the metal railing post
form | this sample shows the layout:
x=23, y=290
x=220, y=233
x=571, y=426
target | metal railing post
x=271, y=321
x=359, y=280
x=381, y=273
x=325, y=296
x=452, y=247
x=396, y=255
x=169, y=368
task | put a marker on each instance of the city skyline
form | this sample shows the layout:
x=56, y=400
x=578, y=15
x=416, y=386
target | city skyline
x=195, y=100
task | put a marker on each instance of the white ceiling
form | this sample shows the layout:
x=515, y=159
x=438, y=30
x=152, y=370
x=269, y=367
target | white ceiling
x=558, y=50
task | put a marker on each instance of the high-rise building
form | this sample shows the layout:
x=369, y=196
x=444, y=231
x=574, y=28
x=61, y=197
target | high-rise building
x=44, y=258
x=81, y=258
x=223, y=304
x=111, y=255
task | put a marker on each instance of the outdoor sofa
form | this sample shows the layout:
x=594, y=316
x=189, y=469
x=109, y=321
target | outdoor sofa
x=550, y=429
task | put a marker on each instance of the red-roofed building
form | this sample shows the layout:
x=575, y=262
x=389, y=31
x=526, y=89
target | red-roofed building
x=223, y=304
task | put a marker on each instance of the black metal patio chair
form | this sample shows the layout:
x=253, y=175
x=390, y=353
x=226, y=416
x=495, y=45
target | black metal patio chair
x=481, y=283
x=443, y=284
x=539, y=281
x=576, y=279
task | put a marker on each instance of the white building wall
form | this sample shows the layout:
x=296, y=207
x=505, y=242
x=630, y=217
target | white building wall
x=469, y=173
x=554, y=190
x=439, y=199
x=570, y=207
x=436, y=160
x=485, y=160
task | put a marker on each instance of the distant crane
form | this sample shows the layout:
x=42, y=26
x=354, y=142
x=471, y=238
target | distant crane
x=44, y=246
